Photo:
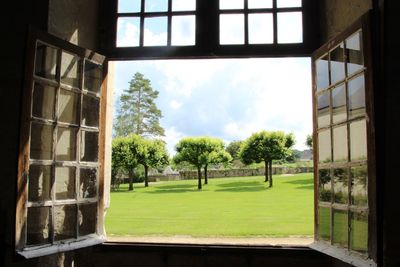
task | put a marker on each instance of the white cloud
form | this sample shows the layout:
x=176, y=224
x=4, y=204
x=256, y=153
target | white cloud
x=174, y=104
x=172, y=136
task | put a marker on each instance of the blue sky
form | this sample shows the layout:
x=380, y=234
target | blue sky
x=227, y=98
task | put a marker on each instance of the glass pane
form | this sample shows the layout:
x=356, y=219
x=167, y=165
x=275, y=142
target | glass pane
x=39, y=183
x=38, y=225
x=231, y=4
x=359, y=231
x=340, y=148
x=70, y=69
x=93, y=75
x=41, y=141
x=341, y=186
x=46, y=61
x=87, y=218
x=156, y=5
x=339, y=111
x=325, y=186
x=64, y=222
x=66, y=144
x=155, y=31
x=89, y=146
x=183, y=5
x=260, y=3
x=288, y=3
x=324, y=223
x=90, y=111
x=355, y=61
x=290, y=27
x=231, y=29
x=359, y=182
x=128, y=32
x=356, y=88
x=183, y=30
x=68, y=107
x=340, y=228
x=358, y=140
x=324, y=146
x=337, y=64
x=323, y=112
x=322, y=69
x=65, y=183
x=126, y=6
x=88, y=183
x=261, y=30
x=43, y=101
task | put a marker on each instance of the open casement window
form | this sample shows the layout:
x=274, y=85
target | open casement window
x=345, y=197
x=60, y=202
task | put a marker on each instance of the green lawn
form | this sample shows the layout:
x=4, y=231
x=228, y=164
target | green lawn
x=235, y=207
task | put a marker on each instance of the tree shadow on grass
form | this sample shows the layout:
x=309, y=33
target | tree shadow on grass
x=181, y=188
x=241, y=184
x=304, y=183
x=243, y=189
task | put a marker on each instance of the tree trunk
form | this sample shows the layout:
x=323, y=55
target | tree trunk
x=199, y=177
x=205, y=175
x=270, y=173
x=130, y=180
x=266, y=171
x=146, y=176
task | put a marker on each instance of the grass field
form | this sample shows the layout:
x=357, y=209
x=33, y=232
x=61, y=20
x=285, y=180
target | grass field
x=234, y=207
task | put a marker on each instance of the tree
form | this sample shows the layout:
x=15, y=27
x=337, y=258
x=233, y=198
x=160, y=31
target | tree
x=138, y=112
x=266, y=146
x=123, y=158
x=200, y=152
x=233, y=148
x=309, y=141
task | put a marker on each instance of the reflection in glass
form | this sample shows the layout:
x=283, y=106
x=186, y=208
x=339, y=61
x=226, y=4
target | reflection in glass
x=322, y=70
x=340, y=228
x=89, y=146
x=290, y=27
x=126, y=6
x=90, y=111
x=341, y=186
x=231, y=29
x=46, y=61
x=356, y=88
x=66, y=144
x=288, y=3
x=261, y=29
x=87, y=217
x=88, y=183
x=128, y=32
x=339, y=112
x=325, y=186
x=64, y=222
x=355, y=61
x=337, y=64
x=183, y=5
x=70, y=69
x=43, y=100
x=41, y=141
x=39, y=183
x=155, y=31
x=323, y=112
x=324, y=223
x=183, y=30
x=231, y=4
x=359, y=231
x=65, y=183
x=156, y=5
x=324, y=146
x=93, y=74
x=359, y=180
x=38, y=225
x=260, y=3
x=68, y=107
x=358, y=140
x=340, y=148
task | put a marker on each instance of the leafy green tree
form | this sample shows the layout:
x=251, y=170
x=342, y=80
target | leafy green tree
x=309, y=141
x=137, y=112
x=200, y=152
x=123, y=158
x=265, y=147
x=233, y=148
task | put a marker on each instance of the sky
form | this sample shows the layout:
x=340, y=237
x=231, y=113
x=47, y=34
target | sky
x=227, y=98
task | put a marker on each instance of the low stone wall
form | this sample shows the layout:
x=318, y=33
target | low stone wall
x=160, y=178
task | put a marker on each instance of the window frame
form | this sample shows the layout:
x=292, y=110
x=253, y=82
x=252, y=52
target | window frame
x=36, y=36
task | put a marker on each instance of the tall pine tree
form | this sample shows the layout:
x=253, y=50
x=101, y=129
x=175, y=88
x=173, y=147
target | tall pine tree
x=137, y=111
